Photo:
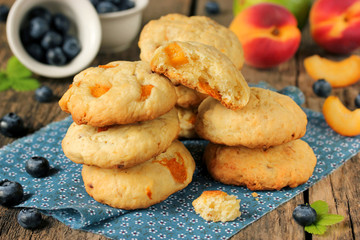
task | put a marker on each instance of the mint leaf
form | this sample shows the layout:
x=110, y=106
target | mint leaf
x=321, y=207
x=316, y=229
x=5, y=84
x=329, y=219
x=25, y=84
x=15, y=69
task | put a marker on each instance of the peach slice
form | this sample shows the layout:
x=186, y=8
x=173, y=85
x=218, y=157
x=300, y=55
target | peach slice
x=337, y=73
x=341, y=119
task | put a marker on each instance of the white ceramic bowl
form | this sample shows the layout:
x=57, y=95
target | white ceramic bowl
x=87, y=28
x=119, y=29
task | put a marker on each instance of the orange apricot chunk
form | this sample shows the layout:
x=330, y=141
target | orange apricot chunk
x=145, y=92
x=98, y=90
x=175, y=55
x=341, y=119
x=337, y=73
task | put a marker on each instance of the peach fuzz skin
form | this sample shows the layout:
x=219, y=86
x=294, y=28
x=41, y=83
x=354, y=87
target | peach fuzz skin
x=267, y=39
x=335, y=25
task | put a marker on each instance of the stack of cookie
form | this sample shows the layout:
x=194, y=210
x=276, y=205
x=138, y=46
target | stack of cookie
x=257, y=146
x=260, y=128
x=177, y=27
x=124, y=133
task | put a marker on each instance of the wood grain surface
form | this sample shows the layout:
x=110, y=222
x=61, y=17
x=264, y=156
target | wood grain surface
x=339, y=189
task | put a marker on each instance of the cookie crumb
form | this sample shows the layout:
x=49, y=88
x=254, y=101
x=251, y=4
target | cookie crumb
x=254, y=194
x=217, y=206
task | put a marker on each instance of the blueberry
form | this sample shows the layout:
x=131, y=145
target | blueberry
x=11, y=125
x=40, y=12
x=106, y=7
x=11, y=193
x=51, y=39
x=29, y=218
x=4, y=11
x=94, y=2
x=322, y=88
x=304, y=214
x=357, y=101
x=55, y=56
x=36, y=51
x=37, y=167
x=44, y=94
x=126, y=4
x=294, y=93
x=71, y=47
x=25, y=36
x=212, y=7
x=61, y=23
x=38, y=27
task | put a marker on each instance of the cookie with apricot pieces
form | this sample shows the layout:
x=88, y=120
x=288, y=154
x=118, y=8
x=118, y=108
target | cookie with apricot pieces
x=119, y=92
x=143, y=185
x=269, y=119
x=203, y=68
x=120, y=146
x=290, y=164
x=177, y=27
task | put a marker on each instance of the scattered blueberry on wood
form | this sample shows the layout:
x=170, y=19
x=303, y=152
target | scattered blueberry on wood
x=11, y=125
x=11, y=193
x=29, y=218
x=322, y=88
x=212, y=8
x=304, y=214
x=4, y=11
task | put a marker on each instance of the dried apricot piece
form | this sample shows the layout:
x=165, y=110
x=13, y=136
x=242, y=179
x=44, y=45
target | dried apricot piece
x=340, y=118
x=175, y=55
x=98, y=90
x=338, y=73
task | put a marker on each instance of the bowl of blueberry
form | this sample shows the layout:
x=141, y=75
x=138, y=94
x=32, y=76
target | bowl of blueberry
x=54, y=38
x=120, y=22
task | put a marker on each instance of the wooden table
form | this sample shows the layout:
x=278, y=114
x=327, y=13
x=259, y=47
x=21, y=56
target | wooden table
x=339, y=189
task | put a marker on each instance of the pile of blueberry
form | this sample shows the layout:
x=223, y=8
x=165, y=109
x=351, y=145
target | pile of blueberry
x=107, y=6
x=46, y=37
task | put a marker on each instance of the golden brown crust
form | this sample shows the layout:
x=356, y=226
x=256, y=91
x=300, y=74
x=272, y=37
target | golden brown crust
x=118, y=93
x=269, y=119
x=143, y=185
x=290, y=164
x=177, y=27
x=204, y=69
x=120, y=146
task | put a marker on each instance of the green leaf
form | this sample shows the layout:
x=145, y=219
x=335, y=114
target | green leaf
x=329, y=219
x=5, y=83
x=25, y=84
x=15, y=69
x=321, y=207
x=316, y=229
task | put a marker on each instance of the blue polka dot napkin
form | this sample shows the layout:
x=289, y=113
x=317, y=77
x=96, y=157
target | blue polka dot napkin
x=63, y=196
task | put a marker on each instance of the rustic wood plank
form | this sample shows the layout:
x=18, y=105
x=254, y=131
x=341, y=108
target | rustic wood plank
x=37, y=115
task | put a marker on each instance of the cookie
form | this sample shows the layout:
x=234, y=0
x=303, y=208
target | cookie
x=187, y=97
x=290, y=164
x=120, y=146
x=118, y=93
x=203, y=68
x=187, y=118
x=143, y=185
x=176, y=27
x=268, y=119
x=217, y=206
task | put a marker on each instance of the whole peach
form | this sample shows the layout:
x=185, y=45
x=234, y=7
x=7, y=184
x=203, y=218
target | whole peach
x=268, y=33
x=335, y=25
